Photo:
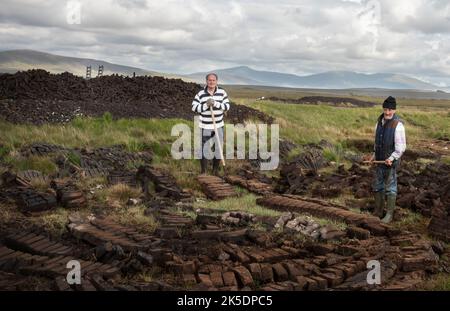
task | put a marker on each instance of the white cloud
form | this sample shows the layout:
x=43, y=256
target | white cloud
x=403, y=36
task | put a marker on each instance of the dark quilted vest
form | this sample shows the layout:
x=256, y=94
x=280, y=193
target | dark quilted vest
x=384, y=137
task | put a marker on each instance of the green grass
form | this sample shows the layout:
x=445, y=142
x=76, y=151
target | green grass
x=54, y=222
x=44, y=165
x=245, y=203
x=446, y=159
x=132, y=165
x=134, y=217
x=312, y=123
x=438, y=282
x=298, y=123
x=88, y=183
x=4, y=151
x=121, y=193
x=74, y=158
x=135, y=134
x=40, y=184
x=148, y=275
x=324, y=222
x=334, y=154
x=412, y=222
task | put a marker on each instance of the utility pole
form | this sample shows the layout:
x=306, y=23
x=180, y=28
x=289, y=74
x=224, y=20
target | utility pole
x=88, y=72
x=100, y=71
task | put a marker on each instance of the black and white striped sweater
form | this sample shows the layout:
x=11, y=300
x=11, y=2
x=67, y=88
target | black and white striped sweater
x=221, y=105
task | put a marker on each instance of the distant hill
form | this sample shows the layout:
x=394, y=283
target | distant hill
x=381, y=94
x=14, y=60
x=244, y=75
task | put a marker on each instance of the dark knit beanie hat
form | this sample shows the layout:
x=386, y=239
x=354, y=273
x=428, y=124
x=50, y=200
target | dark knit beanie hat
x=390, y=103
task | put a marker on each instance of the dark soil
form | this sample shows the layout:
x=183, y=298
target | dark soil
x=334, y=101
x=37, y=97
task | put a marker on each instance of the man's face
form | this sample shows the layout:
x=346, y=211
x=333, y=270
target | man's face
x=211, y=82
x=388, y=113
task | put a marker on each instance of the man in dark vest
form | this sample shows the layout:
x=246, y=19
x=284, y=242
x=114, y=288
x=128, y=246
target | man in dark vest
x=390, y=144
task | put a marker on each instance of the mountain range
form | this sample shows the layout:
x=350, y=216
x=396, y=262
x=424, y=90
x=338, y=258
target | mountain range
x=14, y=60
x=244, y=75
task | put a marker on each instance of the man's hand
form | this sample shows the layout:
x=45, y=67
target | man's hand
x=388, y=162
x=210, y=102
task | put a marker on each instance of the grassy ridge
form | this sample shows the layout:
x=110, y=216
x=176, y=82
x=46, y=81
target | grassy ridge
x=136, y=134
x=311, y=123
x=299, y=123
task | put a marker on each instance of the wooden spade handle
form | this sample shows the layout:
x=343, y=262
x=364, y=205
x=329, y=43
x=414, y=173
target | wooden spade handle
x=373, y=162
x=217, y=136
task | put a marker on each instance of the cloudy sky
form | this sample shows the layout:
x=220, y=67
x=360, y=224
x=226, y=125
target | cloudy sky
x=302, y=36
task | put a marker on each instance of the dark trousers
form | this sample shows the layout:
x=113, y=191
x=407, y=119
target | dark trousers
x=386, y=178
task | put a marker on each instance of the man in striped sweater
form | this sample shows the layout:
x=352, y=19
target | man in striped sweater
x=212, y=96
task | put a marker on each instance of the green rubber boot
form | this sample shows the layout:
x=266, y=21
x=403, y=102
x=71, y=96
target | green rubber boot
x=379, y=204
x=390, y=208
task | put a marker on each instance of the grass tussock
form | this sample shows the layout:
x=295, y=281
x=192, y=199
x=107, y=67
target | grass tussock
x=446, y=159
x=245, y=203
x=40, y=184
x=45, y=165
x=134, y=217
x=412, y=222
x=438, y=282
x=91, y=183
x=54, y=223
x=122, y=193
